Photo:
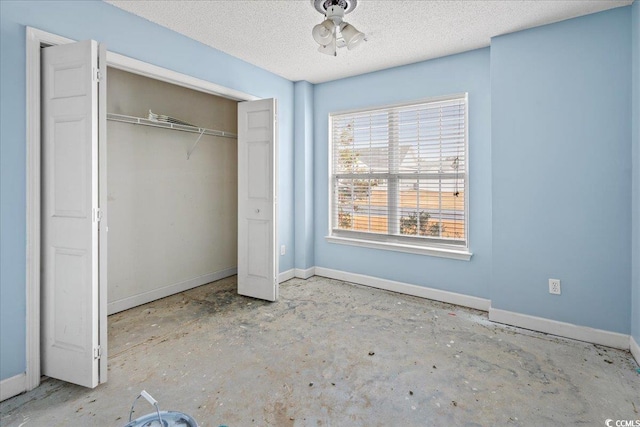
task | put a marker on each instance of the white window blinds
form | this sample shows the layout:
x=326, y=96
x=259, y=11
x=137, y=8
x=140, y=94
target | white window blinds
x=400, y=173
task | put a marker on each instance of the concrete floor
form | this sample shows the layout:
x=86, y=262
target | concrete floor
x=332, y=354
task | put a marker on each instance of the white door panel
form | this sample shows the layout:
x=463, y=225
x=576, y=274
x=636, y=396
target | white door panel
x=102, y=202
x=70, y=313
x=257, y=171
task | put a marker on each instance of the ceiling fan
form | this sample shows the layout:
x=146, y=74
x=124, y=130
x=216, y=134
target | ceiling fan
x=334, y=32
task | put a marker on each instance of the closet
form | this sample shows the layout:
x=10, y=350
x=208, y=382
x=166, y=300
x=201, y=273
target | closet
x=173, y=217
x=126, y=208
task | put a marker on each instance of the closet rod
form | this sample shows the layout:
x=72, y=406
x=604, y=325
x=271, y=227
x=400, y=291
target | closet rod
x=184, y=128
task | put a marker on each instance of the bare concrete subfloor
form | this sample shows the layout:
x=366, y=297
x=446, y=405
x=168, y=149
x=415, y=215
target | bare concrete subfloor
x=333, y=354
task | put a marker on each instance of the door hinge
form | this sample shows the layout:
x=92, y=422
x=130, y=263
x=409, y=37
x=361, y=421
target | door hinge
x=97, y=215
x=97, y=353
x=97, y=75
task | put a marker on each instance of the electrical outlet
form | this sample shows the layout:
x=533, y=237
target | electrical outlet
x=554, y=286
x=283, y=250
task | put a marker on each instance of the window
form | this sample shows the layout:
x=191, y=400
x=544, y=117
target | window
x=399, y=177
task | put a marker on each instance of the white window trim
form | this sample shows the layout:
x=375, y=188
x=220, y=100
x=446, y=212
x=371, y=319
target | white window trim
x=400, y=247
x=427, y=248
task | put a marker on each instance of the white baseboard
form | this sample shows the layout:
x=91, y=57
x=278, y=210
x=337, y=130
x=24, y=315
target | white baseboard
x=296, y=272
x=136, y=300
x=562, y=329
x=635, y=349
x=305, y=274
x=405, y=288
x=13, y=386
x=286, y=275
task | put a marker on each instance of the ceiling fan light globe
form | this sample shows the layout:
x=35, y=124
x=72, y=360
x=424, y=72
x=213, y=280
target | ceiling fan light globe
x=328, y=49
x=356, y=41
x=352, y=37
x=323, y=32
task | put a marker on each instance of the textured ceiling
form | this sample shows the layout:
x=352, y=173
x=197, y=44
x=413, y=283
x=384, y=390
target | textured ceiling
x=276, y=35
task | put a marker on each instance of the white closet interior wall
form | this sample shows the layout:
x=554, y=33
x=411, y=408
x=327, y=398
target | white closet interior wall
x=172, y=221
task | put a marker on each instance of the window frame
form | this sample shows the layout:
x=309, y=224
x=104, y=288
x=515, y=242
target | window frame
x=400, y=243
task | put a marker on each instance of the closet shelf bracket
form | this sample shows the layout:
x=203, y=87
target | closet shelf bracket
x=193, y=147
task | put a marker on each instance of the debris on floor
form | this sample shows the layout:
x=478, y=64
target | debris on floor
x=260, y=375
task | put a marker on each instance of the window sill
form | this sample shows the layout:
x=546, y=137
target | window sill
x=398, y=247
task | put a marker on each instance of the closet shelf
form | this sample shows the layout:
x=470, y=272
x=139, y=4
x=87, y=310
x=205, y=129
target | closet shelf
x=184, y=128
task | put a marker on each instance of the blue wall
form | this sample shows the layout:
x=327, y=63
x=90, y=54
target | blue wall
x=132, y=36
x=550, y=166
x=467, y=72
x=303, y=130
x=561, y=165
x=635, y=295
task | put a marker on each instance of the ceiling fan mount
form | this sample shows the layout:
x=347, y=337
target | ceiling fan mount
x=323, y=6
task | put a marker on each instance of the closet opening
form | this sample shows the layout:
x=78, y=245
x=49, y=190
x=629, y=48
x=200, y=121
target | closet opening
x=172, y=196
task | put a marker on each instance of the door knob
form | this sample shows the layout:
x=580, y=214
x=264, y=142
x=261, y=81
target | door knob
x=257, y=210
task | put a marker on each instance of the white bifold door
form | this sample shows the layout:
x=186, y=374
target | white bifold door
x=257, y=202
x=73, y=310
